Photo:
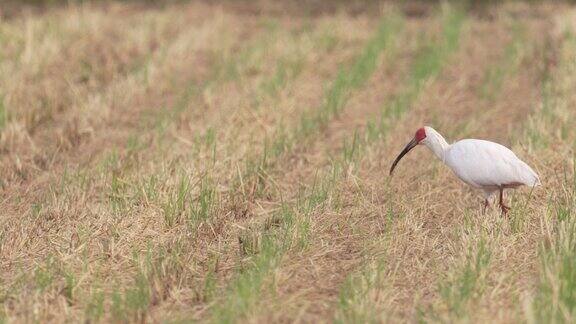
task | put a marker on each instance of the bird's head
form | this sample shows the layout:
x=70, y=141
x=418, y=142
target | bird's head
x=419, y=138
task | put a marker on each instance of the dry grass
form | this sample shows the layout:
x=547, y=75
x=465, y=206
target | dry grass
x=228, y=162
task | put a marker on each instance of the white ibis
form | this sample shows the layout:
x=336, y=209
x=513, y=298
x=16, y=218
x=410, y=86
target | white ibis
x=481, y=164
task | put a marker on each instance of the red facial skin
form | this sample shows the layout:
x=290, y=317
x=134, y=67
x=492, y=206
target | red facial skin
x=420, y=135
x=418, y=138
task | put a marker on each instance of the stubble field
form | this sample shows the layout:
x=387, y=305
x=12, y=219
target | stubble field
x=228, y=162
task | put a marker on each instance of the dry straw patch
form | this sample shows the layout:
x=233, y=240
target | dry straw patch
x=59, y=196
x=550, y=136
x=141, y=192
x=109, y=246
x=101, y=76
x=63, y=57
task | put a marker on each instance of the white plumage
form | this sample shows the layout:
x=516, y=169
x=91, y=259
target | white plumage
x=488, y=165
x=481, y=164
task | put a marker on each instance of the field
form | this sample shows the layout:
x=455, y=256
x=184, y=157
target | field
x=228, y=162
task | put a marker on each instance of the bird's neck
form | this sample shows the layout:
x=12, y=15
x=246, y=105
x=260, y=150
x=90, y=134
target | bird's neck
x=438, y=145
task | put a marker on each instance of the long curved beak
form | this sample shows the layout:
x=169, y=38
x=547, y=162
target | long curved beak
x=406, y=149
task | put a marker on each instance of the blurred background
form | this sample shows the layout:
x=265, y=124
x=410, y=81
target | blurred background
x=227, y=161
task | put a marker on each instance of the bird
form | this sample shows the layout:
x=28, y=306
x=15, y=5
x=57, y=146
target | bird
x=484, y=165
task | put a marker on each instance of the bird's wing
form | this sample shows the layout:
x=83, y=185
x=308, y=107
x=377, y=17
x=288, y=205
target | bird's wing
x=483, y=164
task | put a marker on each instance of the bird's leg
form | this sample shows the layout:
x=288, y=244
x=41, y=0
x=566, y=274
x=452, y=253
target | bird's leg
x=485, y=205
x=504, y=208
